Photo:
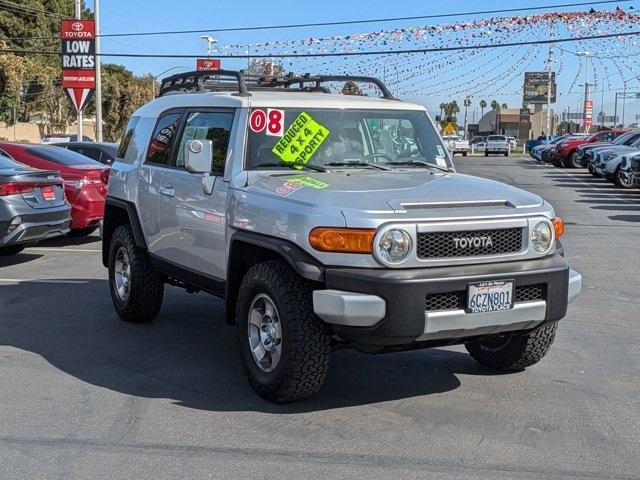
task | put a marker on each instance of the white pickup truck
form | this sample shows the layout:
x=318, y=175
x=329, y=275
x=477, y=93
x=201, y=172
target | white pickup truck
x=497, y=144
x=456, y=144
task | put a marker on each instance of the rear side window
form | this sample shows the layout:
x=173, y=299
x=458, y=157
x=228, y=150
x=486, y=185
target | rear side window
x=128, y=135
x=163, y=139
x=61, y=156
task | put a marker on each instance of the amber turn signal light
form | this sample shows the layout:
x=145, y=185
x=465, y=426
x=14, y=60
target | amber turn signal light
x=558, y=227
x=342, y=240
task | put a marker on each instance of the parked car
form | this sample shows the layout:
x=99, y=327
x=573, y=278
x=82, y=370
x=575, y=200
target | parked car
x=480, y=146
x=456, y=144
x=634, y=169
x=620, y=172
x=537, y=151
x=530, y=144
x=102, y=152
x=587, y=153
x=609, y=157
x=85, y=180
x=322, y=231
x=564, y=153
x=32, y=206
x=513, y=143
x=62, y=138
x=497, y=144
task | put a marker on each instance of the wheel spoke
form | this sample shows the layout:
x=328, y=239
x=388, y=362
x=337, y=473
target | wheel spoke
x=259, y=352
x=255, y=317
x=268, y=309
x=275, y=356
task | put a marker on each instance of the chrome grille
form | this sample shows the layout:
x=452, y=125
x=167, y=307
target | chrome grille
x=435, y=302
x=443, y=244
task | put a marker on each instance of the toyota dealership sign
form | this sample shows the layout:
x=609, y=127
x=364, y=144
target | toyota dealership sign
x=78, y=39
x=206, y=64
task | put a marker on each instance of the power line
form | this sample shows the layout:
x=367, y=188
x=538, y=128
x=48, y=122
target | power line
x=342, y=54
x=347, y=22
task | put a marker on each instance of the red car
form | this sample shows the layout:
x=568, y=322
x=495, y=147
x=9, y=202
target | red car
x=563, y=154
x=85, y=180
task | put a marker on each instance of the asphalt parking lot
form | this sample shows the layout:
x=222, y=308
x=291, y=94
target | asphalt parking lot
x=84, y=395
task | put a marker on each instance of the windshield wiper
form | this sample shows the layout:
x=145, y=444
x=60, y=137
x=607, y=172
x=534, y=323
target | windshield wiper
x=308, y=166
x=419, y=163
x=355, y=164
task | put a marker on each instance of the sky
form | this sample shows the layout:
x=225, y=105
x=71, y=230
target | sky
x=154, y=15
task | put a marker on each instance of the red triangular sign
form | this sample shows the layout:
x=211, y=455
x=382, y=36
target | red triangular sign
x=79, y=97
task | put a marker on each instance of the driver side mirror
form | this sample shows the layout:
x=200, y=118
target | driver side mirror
x=198, y=155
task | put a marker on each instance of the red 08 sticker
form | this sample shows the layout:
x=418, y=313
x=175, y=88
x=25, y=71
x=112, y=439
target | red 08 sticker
x=257, y=121
x=275, y=122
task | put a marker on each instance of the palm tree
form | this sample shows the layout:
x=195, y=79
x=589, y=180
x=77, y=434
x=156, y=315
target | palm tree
x=504, y=106
x=483, y=105
x=451, y=109
x=495, y=105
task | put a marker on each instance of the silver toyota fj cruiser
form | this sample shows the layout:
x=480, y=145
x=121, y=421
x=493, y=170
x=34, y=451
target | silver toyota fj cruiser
x=323, y=221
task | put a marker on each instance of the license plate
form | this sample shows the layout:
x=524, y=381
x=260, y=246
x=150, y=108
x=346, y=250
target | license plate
x=490, y=296
x=48, y=193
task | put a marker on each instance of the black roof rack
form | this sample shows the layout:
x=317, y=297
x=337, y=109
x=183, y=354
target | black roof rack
x=219, y=80
x=203, y=81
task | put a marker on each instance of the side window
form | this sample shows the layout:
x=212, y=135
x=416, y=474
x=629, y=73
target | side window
x=105, y=158
x=128, y=134
x=607, y=137
x=163, y=139
x=91, y=153
x=214, y=126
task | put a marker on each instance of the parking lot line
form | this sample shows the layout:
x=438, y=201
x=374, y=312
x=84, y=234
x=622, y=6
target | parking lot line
x=60, y=249
x=616, y=195
x=36, y=280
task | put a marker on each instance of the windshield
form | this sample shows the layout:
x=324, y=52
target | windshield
x=496, y=138
x=328, y=138
x=61, y=156
x=624, y=138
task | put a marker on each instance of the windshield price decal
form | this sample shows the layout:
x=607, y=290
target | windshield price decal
x=301, y=141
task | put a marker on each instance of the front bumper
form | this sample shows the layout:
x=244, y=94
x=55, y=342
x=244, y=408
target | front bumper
x=388, y=307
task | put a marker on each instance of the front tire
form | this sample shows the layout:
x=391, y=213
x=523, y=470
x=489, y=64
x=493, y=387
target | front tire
x=573, y=161
x=464, y=154
x=621, y=181
x=284, y=346
x=11, y=250
x=136, y=287
x=513, y=352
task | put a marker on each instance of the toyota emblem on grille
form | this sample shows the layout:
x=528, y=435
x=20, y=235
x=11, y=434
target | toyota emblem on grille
x=472, y=242
x=77, y=26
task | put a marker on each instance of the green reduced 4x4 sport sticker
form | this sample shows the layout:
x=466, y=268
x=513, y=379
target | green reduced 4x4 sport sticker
x=301, y=141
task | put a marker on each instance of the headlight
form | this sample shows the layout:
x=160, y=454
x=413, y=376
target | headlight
x=541, y=237
x=394, y=246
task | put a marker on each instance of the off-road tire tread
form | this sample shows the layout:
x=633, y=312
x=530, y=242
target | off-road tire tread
x=521, y=352
x=147, y=288
x=304, y=363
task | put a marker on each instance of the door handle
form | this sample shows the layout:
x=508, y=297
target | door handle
x=167, y=191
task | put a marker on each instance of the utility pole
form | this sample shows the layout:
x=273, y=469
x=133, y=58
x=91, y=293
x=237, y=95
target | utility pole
x=615, y=112
x=96, y=14
x=549, y=83
x=80, y=119
x=624, y=101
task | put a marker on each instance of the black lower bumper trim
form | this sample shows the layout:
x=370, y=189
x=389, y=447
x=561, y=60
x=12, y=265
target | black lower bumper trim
x=404, y=292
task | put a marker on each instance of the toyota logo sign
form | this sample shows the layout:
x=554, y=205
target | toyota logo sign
x=77, y=26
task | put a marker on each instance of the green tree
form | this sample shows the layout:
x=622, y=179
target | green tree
x=123, y=93
x=504, y=106
x=495, y=105
x=483, y=105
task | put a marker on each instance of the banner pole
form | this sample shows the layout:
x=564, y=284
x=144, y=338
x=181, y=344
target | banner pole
x=80, y=119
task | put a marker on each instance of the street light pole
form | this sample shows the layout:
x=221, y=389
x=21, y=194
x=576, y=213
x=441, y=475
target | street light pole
x=624, y=101
x=549, y=83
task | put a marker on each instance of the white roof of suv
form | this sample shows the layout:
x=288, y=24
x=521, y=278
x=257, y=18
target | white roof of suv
x=281, y=99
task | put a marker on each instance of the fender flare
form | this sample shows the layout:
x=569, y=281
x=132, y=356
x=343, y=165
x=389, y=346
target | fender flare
x=109, y=224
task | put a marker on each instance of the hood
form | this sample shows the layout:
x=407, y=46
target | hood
x=616, y=149
x=374, y=192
